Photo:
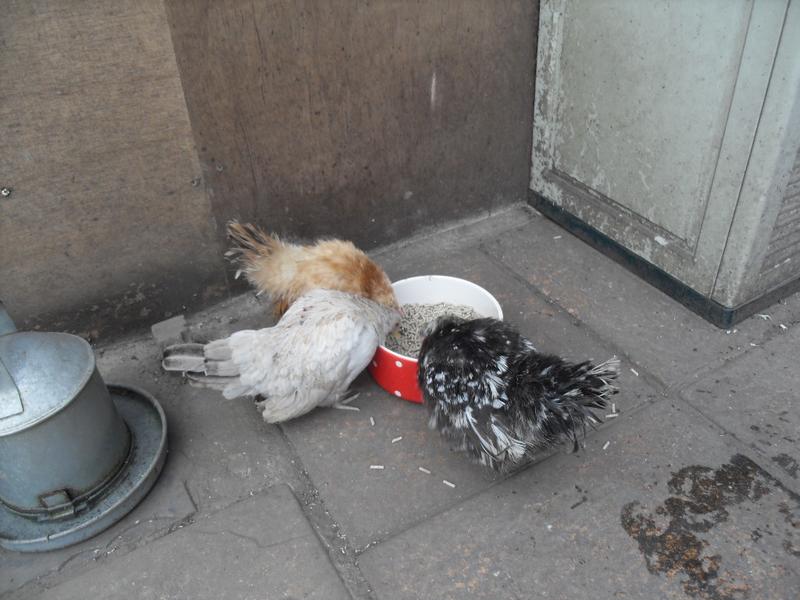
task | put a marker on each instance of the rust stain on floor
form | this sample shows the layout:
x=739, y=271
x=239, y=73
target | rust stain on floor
x=673, y=537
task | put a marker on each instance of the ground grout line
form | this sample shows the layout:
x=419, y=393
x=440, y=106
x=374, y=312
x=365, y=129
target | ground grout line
x=661, y=385
x=94, y=558
x=674, y=391
x=681, y=386
x=750, y=450
x=427, y=517
x=745, y=350
x=650, y=378
x=341, y=553
x=607, y=426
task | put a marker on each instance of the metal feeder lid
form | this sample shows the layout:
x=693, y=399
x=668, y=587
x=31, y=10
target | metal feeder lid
x=29, y=392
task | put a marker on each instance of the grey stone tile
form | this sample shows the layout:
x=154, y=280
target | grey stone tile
x=654, y=330
x=262, y=547
x=222, y=449
x=756, y=398
x=219, y=451
x=667, y=510
x=338, y=447
x=169, y=331
x=167, y=505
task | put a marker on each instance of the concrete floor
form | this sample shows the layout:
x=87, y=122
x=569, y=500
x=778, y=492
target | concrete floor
x=691, y=493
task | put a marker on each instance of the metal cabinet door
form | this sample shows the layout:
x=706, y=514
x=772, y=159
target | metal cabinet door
x=644, y=117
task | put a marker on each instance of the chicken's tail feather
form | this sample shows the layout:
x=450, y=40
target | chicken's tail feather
x=564, y=397
x=269, y=264
x=250, y=245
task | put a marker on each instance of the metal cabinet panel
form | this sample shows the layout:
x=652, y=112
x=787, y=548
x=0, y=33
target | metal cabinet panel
x=646, y=119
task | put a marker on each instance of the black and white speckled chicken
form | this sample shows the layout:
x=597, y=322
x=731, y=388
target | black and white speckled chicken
x=490, y=392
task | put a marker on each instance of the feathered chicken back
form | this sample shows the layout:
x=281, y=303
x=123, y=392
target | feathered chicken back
x=490, y=392
x=308, y=359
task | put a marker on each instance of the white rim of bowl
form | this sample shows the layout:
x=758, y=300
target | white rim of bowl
x=492, y=299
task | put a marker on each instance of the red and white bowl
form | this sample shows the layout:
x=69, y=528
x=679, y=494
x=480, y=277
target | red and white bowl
x=396, y=373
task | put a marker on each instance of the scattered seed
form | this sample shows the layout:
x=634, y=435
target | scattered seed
x=765, y=317
x=606, y=445
x=783, y=326
x=612, y=416
x=346, y=407
x=447, y=483
x=376, y=467
x=424, y=470
x=556, y=237
x=397, y=439
x=635, y=372
x=613, y=407
x=372, y=421
x=754, y=345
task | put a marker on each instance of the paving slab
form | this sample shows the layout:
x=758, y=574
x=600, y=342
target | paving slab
x=667, y=510
x=756, y=397
x=166, y=506
x=654, y=330
x=262, y=547
x=218, y=451
x=222, y=449
x=338, y=447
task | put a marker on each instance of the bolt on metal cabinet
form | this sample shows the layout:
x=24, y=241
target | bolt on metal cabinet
x=668, y=131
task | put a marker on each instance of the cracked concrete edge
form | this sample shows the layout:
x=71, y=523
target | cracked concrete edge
x=308, y=500
x=88, y=559
x=341, y=553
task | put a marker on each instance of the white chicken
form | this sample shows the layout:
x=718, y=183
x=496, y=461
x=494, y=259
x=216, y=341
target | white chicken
x=308, y=359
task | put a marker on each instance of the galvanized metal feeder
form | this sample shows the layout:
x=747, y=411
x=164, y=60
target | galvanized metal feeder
x=75, y=455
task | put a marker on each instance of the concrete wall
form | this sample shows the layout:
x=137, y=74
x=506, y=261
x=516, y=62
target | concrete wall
x=132, y=130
